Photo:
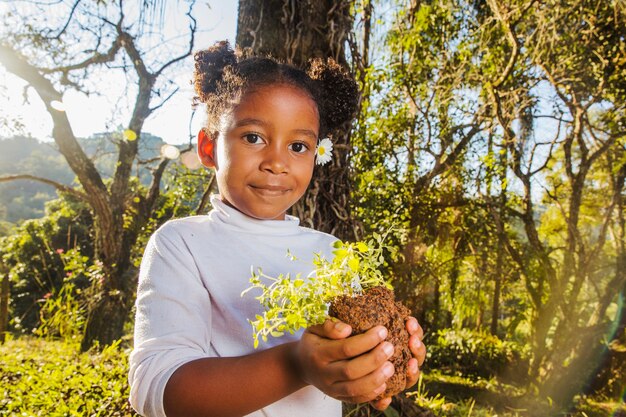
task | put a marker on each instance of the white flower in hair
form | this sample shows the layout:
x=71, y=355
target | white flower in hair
x=324, y=151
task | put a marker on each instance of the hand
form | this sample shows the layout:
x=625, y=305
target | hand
x=416, y=333
x=351, y=369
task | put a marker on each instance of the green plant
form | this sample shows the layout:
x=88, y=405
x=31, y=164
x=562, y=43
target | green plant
x=476, y=354
x=51, y=378
x=63, y=313
x=32, y=255
x=292, y=304
x=436, y=403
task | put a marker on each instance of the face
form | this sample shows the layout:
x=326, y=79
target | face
x=264, y=153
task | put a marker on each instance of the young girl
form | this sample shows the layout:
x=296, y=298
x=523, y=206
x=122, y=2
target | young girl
x=193, y=353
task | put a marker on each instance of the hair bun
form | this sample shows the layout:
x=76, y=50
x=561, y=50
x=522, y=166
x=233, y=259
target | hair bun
x=339, y=93
x=210, y=65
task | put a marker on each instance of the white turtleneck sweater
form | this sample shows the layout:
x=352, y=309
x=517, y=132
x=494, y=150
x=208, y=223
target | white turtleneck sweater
x=189, y=303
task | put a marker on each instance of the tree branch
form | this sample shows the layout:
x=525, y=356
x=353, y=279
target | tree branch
x=60, y=187
x=67, y=23
x=192, y=30
x=155, y=187
x=98, y=58
x=510, y=35
x=62, y=131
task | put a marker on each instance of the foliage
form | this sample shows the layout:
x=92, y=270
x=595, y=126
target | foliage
x=63, y=313
x=610, y=380
x=440, y=395
x=294, y=303
x=51, y=263
x=65, y=52
x=435, y=403
x=34, y=258
x=39, y=377
x=474, y=354
x=493, y=133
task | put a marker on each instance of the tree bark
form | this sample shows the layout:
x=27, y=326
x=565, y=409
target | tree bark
x=4, y=302
x=295, y=32
x=498, y=278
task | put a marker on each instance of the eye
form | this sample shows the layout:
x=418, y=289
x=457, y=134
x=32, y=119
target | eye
x=253, y=138
x=298, y=147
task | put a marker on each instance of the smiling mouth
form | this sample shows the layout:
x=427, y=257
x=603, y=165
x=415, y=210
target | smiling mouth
x=270, y=190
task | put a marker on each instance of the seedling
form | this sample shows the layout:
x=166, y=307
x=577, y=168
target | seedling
x=351, y=288
x=294, y=303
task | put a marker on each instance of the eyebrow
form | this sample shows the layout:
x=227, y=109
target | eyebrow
x=252, y=121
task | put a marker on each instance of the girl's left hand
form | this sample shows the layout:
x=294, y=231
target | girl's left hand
x=416, y=333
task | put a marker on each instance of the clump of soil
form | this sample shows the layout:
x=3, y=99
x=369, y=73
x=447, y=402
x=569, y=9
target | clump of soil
x=377, y=306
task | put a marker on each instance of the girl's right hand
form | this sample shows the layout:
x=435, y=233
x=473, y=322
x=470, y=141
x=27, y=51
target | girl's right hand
x=351, y=369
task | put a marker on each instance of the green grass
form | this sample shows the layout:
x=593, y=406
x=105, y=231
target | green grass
x=51, y=378
x=440, y=395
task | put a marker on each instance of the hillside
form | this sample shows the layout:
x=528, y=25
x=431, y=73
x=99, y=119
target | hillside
x=22, y=200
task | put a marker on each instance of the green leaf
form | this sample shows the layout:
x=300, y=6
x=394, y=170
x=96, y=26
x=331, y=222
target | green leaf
x=362, y=247
x=353, y=263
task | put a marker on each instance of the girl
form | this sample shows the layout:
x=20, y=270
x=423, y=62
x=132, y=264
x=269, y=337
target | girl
x=193, y=351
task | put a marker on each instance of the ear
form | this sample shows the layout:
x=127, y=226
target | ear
x=206, y=149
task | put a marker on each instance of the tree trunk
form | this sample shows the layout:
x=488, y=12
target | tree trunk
x=497, y=291
x=613, y=363
x=296, y=32
x=4, y=302
x=106, y=320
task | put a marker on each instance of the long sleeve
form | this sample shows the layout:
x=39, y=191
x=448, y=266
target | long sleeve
x=173, y=320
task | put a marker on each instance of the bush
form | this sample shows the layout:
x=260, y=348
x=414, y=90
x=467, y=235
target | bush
x=50, y=378
x=34, y=256
x=475, y=354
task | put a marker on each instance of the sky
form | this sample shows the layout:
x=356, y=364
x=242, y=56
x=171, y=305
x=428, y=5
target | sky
x=89, y=115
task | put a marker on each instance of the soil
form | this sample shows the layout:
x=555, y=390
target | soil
x=377, y=306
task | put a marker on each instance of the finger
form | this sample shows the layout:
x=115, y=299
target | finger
x=413, y=327
x=412, y=373
x=362, y=365
x=381, y=404
x=418, y=349
x=368, y=398
x=331, y=329
x=367, y=388
x=357, y=345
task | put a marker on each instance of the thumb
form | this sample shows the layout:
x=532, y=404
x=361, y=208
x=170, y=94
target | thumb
x=331, y=329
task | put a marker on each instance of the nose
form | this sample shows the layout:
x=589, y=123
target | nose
x=275, y=160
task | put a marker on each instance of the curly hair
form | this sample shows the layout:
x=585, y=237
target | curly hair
x=222, y=78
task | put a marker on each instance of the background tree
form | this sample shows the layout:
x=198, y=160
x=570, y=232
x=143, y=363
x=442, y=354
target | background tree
x=564, y=272
x=416, y=139
x=54, y=56
x=489, y=130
